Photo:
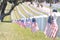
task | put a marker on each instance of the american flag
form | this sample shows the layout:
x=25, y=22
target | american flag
x=34, y=25
x=21, y=23
x=28, y=22
x=51, y=27
x=18, y=22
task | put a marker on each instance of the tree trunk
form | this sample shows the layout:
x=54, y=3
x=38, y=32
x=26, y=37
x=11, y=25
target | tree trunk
x=3, y=6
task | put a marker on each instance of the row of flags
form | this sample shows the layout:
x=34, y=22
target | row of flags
x=21, y=23
x=31, y=23
x=50, y=30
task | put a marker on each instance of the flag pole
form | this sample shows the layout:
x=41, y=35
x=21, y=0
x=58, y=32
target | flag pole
x=54, y=38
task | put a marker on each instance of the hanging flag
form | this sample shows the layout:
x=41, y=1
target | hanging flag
x=51, y=27
x=34, y=25
x=18, y=22
x=28, y=22
x=21, y=23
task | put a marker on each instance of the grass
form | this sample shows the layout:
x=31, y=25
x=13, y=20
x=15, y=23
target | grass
x=59, y=9
x=12, y=31
x=7, y=18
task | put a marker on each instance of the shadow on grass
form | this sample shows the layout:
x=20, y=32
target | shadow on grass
x=7, y=21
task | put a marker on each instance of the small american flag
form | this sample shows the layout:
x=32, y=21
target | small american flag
x=21, y=23
x=18, y=22
x=51, y=27
x=34, y=25
x=28, y=22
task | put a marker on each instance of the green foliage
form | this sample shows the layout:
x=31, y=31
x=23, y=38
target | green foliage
x=59, y=9
x=7, y=18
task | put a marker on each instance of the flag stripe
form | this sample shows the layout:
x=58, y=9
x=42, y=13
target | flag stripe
x=51, y=29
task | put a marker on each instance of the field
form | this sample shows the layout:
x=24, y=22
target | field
x=12, y=31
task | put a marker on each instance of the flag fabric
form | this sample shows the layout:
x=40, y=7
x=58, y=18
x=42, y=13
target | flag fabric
x=34, y=25
x=28, y=22
x=51, y=27
x=21, y=23
x=18, y=22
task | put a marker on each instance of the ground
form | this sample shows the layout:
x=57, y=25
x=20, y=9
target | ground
x=12, y=31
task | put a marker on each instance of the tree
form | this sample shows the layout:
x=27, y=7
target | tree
x=3, y=6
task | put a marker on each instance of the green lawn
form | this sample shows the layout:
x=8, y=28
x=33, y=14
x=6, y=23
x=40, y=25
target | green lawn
x=7, y=18
x=12, y=31
x=59, y=9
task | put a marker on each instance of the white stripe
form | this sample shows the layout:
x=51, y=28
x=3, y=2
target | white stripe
x=27, y=11
x=20, y=12
x=13, y=17
x=53, y=30
x=45, y=10
x=39, y=13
